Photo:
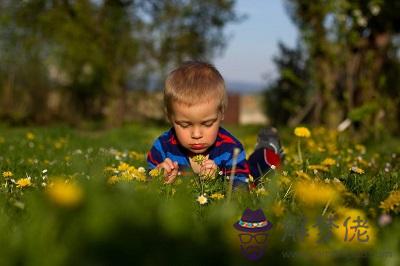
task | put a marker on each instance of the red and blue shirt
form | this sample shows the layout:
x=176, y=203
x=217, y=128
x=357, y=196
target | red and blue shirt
x=221, y=152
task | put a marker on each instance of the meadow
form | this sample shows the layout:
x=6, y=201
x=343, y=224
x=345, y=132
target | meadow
x=84, y=197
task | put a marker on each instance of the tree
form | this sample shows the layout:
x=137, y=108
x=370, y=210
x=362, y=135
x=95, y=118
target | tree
x=92, y=50
x=285, y=97
x=349, y=46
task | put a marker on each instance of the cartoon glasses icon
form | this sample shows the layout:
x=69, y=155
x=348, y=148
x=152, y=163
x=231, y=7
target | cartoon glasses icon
x=260, y=237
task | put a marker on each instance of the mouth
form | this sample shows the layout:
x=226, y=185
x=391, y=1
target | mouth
x=197, y=146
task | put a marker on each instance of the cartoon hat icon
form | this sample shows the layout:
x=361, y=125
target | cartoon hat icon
x=253, y=221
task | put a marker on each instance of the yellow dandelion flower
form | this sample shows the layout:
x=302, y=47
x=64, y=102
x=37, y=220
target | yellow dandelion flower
x=202, y=199
x=261, y=191
x=217, y=196
x=302, y=132
x=338, y=185
x=278, y=209
x=284, y=180
x=362, y=161
x=314, y=193
x=155, y=172
x=360, y=148
x=313, y=234
x=328, y=162
x=303, y=175
x=113, y=179
x=357, y=170
x=65, y=194
x=23, y=182
x=392, y=202
x=7, y=174
x=136, y=155
x=109, y=169
x=199, y=158
x=350, y=221
x=30, y=136
x=123, y=166
x=127, y=176
x=138, y=174
x=318, y=167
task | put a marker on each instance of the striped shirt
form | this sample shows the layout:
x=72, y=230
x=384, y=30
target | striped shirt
x=221, y=152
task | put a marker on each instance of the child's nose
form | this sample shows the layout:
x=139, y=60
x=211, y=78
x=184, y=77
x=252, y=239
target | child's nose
x=196, y=133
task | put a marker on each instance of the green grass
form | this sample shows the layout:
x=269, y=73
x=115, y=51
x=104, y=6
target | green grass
x=151, y=223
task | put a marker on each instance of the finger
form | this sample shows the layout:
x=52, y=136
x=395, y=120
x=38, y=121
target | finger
x=170, y=178
x=168, y=161
x=166, y=167
x=210, y=165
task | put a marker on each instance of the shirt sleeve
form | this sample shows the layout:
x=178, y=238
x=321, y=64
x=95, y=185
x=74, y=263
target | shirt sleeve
x=156, y=155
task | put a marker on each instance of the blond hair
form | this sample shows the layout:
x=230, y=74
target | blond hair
x=194, y=82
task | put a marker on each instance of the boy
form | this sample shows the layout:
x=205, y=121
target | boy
x=195, y=101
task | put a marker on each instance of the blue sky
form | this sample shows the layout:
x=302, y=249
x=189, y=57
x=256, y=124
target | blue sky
x=253, y=42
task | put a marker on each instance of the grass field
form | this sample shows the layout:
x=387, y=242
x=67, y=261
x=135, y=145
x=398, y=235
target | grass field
x=82, y=197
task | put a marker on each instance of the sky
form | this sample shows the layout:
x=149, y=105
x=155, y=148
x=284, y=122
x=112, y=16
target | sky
x=252, y=43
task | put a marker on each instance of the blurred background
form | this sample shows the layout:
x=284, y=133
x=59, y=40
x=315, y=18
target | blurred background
x=285, y=62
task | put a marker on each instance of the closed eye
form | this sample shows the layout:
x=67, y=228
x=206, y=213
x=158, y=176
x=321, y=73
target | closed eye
x=183, y=125
x=208, y=124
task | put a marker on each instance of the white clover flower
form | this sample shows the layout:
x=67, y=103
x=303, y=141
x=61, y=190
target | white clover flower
x=202, y=200
x=375, y=9
x=362, y=21
x=44, y=171
x=336, y=180
x=384, y=220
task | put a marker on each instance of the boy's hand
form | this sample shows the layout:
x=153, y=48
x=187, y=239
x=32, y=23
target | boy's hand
x=208, y=168
x=170, y=170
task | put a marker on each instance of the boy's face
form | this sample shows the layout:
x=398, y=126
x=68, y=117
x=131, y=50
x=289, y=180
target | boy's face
x=196, y=126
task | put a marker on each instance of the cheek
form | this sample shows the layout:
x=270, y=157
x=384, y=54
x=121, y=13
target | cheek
x=181, y=133
x=213, y=132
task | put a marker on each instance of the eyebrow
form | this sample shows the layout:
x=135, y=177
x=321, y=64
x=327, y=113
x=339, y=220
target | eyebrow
x=189, y=122
x=210, y=120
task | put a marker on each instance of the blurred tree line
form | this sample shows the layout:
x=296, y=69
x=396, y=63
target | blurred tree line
x=346, y=66
x=83, y=56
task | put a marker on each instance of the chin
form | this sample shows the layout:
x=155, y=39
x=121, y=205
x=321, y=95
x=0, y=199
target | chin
x=198, y=151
